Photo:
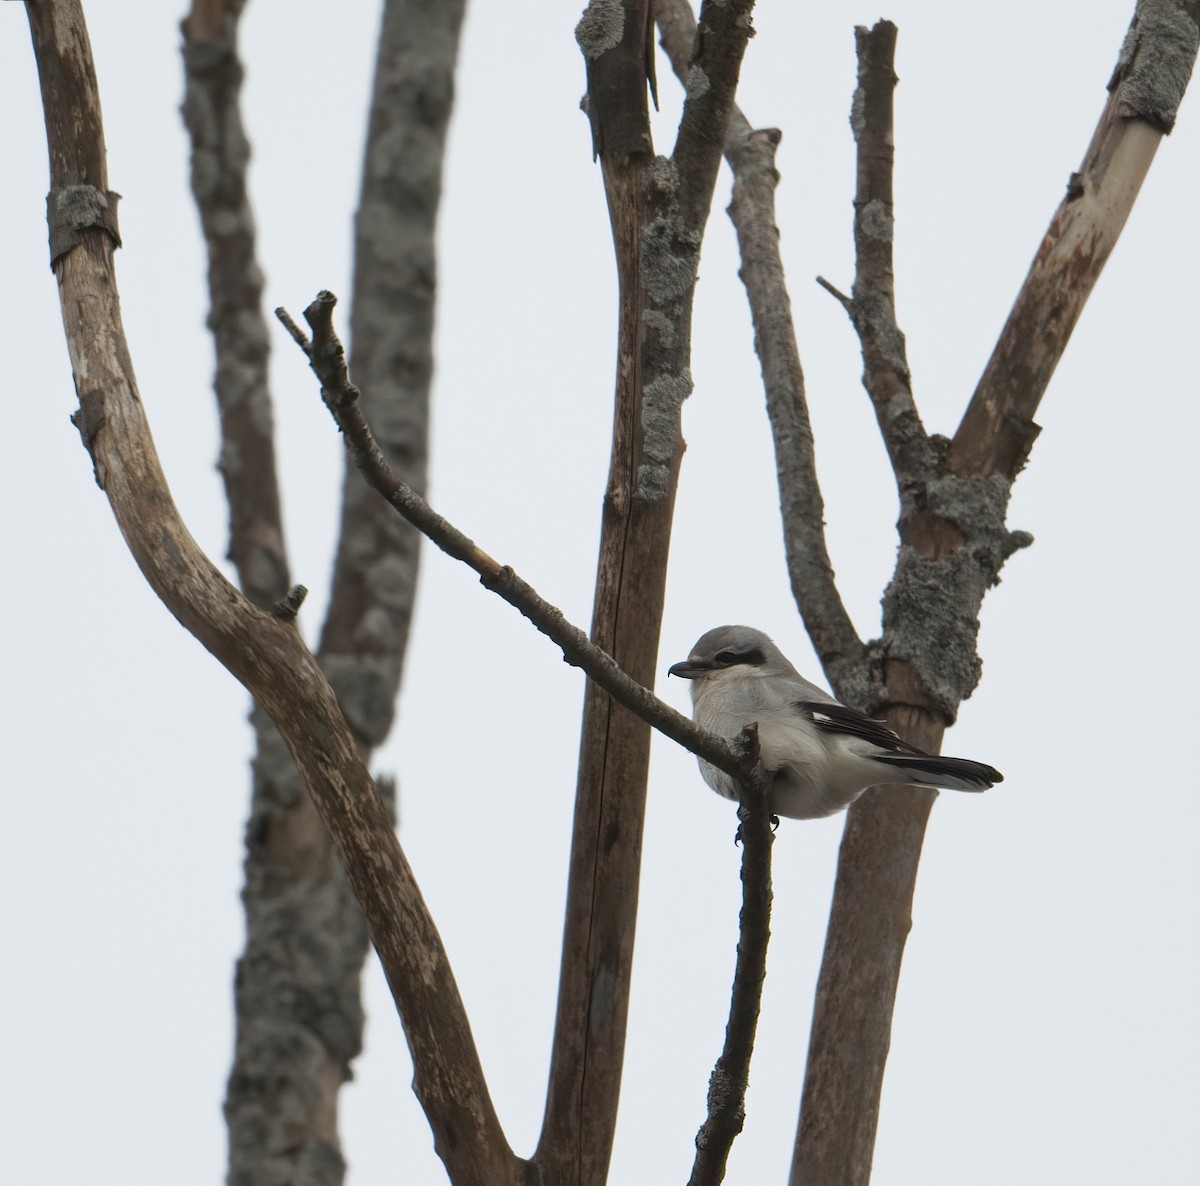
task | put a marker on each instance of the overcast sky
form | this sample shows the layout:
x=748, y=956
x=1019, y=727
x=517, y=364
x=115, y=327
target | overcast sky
x=1046, y=1031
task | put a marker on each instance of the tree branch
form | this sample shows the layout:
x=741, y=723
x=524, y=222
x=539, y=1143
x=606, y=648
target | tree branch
x=751, y=156
x=814, y=585
x=657, y=242
x=392, y=319
x=291, y=1054
x=872, y=303
x=869, y=922
x=327, y=358
x=587, y=1054
x=292, y=1057
x=220, y=153
x=954, y=541
x=711, y=83
x=263, y=652
x=731, y=1075
x=1150, y=78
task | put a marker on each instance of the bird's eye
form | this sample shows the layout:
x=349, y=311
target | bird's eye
x=726, y=658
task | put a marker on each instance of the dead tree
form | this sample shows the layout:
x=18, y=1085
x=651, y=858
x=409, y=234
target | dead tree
x=329, y=711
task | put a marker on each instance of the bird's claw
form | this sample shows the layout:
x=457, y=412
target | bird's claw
x=737, y=836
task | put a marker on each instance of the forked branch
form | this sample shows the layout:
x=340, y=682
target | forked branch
x=954, y=540
x=263, y=651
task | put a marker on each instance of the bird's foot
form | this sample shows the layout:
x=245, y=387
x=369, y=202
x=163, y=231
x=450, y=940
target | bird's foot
x=737, y=836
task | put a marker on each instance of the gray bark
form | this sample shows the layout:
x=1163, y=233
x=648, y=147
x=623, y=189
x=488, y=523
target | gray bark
x=298, y=1010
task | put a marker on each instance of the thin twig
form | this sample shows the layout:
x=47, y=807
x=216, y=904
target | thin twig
x=327, y=359
x=731, y=1075
x=837, y=294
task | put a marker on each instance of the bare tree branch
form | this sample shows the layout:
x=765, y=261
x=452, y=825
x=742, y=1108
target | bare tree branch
x=220, y=153
x=731, y=1075
x=711, y=83
x=298, y=1019
x=1151, y=75
x=869, y=923
x=677, y=26
x=657, y=240
x=814, y=585
x=299, y=1014
x=327, y=358
x=392, y=324
x=751, y=156
x=261, y=650
x=587, y=1054
x=872, y=304
x=953, y=543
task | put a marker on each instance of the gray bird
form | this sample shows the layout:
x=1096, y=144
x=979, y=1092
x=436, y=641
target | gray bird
x=823, y=755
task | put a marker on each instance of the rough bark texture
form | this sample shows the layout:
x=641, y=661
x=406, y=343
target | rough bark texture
x=297, y=1012
x=751, y=156
x=391, y=351
x=658, y=209
x=299, y=1016
x=262, y=650
x=953, y=543
x=220, y=155
x=801, y=506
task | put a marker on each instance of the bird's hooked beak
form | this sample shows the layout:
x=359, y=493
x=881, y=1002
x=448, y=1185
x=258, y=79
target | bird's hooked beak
x=691, y=668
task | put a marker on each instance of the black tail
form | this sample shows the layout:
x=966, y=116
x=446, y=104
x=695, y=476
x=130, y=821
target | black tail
x=955, y=774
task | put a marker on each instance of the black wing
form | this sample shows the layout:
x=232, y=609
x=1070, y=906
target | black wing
x=837, y=718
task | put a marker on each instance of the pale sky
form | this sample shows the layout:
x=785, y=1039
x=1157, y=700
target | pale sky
x=1046, y=1028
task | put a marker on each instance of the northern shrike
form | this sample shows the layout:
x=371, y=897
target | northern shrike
x=823, y=755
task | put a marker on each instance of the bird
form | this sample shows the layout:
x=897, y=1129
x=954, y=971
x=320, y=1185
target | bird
x=821, y=755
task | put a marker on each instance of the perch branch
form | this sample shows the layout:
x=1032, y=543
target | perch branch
x=327, y=359
x=263, y=652
x=1152, y=73
x=731, y=1075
